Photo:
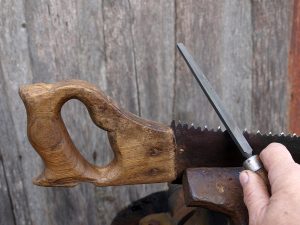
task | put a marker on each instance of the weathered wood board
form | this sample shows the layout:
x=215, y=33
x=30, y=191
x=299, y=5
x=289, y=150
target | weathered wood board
x=218, y=34
x=127, y=48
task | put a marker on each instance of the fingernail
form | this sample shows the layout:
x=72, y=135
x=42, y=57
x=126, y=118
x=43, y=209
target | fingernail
x=244, y=178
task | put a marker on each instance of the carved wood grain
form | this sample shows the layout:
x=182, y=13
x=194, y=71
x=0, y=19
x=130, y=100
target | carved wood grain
x=144, y=150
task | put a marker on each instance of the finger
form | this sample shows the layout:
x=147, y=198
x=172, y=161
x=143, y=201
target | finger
x=256, y=196
x=276, y=158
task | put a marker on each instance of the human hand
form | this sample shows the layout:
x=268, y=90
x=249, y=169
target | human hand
x=283, y=206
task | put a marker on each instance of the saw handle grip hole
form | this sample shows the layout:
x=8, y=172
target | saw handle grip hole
x=91, y=141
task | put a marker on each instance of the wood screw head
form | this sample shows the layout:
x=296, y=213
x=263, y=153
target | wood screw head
x=154, y=152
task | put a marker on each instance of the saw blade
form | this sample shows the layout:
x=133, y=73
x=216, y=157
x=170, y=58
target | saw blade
x=203, y=147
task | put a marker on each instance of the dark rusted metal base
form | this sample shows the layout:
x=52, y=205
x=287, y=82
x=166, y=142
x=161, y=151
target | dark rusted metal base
x=167, y=208
x=135, y=212
x=216, y=189
x=205, y=197
x=185, y=215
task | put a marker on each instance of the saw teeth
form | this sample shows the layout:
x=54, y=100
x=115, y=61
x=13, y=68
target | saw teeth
x=179, y=127
x=185, y=126
x=245, y=132
x=192, y=127
x=173, y=125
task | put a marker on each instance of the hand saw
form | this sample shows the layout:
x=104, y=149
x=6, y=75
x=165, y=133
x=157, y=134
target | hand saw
x=144, y=151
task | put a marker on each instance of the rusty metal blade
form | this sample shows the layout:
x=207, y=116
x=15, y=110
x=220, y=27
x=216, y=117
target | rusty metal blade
x=198, y=147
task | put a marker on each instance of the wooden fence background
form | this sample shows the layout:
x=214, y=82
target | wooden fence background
x=127, y=48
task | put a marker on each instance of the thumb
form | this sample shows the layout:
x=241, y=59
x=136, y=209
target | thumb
x=256, y=196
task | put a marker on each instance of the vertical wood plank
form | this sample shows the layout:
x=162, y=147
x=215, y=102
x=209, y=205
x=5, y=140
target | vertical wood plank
x=271, y=27
x=41, y=45
x=217, y=33
x=12, y=161
x=70, y=44
x=199, y=31
x=122, y=72
x=294, y=72
x=153, y=31
x=14, y=70
x=40, y=40
x=154, y=52
x=120, y=58
x=6, y=209
x=76, y=35
x=236, y=61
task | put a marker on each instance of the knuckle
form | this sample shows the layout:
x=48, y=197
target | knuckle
x=276, y=146
x=272, y=149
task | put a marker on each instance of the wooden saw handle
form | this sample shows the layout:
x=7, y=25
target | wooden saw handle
x=144, y=151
